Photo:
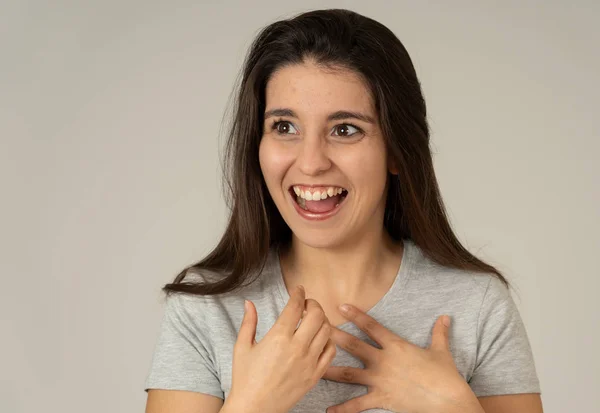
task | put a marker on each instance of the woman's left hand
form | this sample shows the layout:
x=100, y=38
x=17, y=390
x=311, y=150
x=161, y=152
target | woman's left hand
x=401, y=376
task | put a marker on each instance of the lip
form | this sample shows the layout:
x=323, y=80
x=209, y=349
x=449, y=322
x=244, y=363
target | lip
x=311, y=216
x=315, y=186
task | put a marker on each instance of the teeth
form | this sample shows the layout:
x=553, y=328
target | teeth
x=302, y=203
x=318, y=194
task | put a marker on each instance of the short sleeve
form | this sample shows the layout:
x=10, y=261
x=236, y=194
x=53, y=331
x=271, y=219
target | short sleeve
x=182, y=360
x=505, y=363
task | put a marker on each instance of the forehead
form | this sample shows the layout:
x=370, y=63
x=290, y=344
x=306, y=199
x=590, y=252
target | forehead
x=309, y=89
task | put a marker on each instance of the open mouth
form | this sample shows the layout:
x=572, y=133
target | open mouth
x=318, y=200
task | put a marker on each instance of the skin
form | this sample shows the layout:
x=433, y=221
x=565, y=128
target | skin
x=337, y=260
x=270, y=376
x=348, y=258
x=403, y=377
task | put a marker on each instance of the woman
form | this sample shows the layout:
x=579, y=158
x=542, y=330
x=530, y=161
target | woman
x=332, y=188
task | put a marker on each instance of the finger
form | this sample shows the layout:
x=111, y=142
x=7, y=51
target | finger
x=355, y=405
x=247, y=331
x=311, y=323
x=440, y=340
x=369, y=325
x=292, y=312
x=353, y=345
x=344, y=374
x=326, y=358
x=320, y=340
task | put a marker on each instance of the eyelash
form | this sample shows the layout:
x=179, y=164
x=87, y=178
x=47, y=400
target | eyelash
x=358, y=130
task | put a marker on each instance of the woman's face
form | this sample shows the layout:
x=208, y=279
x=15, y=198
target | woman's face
x=321, y=137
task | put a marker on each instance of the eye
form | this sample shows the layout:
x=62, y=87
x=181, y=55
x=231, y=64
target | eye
x=345, y=129
x=283, y=127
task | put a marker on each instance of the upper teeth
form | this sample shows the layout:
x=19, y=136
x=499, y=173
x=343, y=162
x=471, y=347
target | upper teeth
x=317, y=194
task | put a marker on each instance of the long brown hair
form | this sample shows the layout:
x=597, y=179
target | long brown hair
x=335, y=38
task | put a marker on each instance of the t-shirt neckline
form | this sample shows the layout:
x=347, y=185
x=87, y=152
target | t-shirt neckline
x=397, y=286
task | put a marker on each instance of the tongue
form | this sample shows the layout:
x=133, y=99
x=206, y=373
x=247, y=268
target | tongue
x=324, y=205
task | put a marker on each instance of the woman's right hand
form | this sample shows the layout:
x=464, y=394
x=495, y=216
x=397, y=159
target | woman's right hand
x=273, y=375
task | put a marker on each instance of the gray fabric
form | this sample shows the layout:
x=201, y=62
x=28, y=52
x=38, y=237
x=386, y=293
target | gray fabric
x=488, y=340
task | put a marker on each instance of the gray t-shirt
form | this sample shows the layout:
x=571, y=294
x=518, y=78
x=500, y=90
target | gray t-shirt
x=487, y=337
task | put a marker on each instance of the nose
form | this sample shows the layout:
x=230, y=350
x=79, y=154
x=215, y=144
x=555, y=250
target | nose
x=313, y=158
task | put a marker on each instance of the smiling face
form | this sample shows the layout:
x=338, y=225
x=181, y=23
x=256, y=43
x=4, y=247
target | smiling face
x=322, y=155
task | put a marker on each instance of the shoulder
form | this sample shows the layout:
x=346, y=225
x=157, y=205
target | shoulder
x=230, y=304
x=427, y=276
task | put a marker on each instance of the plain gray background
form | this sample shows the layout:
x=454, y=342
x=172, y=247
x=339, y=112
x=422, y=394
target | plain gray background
x=110, y=114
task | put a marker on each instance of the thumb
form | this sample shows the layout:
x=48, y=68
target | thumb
x=440, y=334
x=247, y=333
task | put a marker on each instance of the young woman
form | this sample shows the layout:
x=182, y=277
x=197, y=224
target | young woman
x=332, y=188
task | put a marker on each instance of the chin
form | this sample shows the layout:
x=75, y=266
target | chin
x=319, y=238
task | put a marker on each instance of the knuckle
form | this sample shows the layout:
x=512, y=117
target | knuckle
x=315, y=310
x=370, y=325
x=279, y=340
x=307, y=380
x=313, y=304
x=347, y=374
x=352, y=343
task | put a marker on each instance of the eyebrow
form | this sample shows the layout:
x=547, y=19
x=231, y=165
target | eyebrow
x=339, y=115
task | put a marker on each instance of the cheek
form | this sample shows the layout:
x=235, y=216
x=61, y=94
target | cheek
x=366, y=168
x=274, y=162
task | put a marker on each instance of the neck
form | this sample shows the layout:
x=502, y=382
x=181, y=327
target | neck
x=344, y=272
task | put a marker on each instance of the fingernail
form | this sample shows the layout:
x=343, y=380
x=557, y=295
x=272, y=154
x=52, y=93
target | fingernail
x=345, y=308
x=246, y=305
x=446, y=320
x=301, y=287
